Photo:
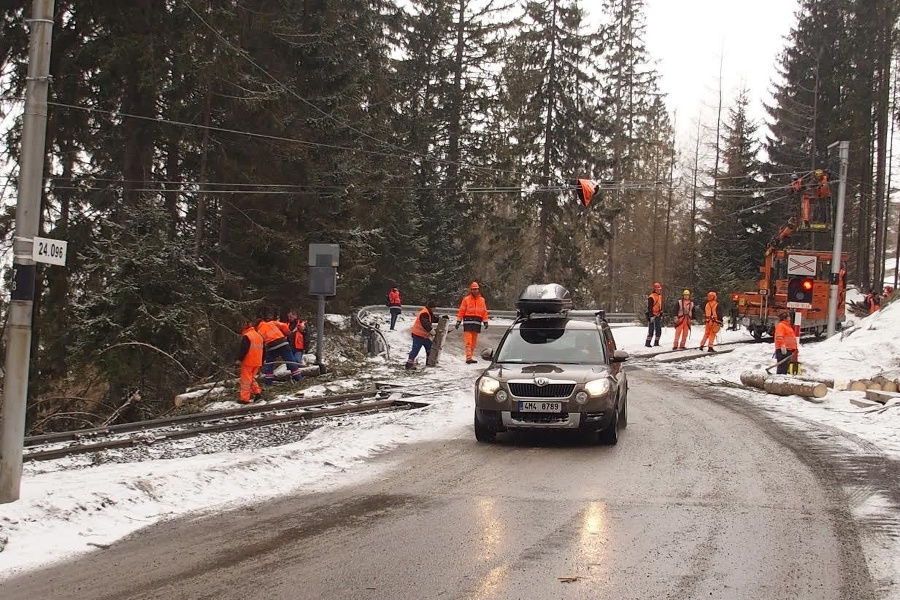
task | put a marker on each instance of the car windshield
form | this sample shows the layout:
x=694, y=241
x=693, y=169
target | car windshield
x=551, y=344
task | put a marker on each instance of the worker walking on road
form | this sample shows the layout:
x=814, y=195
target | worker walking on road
x=785, y=344
x=654, y=314
x=684, y=317
x=393, y=303
x=421, y=333
x=250, y=359
x=713, y=314
x=472, y=315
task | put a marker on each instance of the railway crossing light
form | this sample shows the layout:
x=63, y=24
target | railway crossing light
x=800, y=292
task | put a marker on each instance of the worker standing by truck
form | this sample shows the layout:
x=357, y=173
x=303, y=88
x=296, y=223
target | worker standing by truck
x=713, y=314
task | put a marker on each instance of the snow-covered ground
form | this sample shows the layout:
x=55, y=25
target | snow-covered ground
x=72, y=507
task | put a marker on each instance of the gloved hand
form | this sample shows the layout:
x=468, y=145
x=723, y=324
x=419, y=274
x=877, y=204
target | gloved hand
x=485, y=324
x=458, y=323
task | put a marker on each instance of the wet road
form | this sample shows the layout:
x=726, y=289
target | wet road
x=696, y=501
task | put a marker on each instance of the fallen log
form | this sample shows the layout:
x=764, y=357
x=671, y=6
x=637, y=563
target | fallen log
x=781, y=386
x=889, y=386
x=784, y=386
x=218, y=388
x=829, y=383
x=857, y=386
x=754, y=379
x=881, y=396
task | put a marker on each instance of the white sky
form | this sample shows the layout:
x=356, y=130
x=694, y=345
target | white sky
x=688, y=37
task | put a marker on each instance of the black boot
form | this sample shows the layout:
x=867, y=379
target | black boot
x=710, y=350
x=648, y=343
x=656, y=343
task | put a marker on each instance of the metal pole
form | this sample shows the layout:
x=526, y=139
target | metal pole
x=320, y=331
x=844, y=155
x=31, y=176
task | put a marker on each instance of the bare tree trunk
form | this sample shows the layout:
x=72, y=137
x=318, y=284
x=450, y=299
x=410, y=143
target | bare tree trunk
x=882, y=105
x=548, y=198
x=200, y=232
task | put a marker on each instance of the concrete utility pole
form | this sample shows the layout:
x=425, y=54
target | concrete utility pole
x=31, y=178
x=844, y=155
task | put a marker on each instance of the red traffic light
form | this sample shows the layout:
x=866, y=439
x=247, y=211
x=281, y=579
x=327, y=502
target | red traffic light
x=734, y=296
x=807, y=284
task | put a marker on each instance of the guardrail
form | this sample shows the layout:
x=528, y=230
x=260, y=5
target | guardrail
x=500, y=314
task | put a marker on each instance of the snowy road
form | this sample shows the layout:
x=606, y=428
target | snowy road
x=697, y=500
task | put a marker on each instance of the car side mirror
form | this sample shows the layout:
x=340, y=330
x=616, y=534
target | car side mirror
x=619, y=356
x=487, y=354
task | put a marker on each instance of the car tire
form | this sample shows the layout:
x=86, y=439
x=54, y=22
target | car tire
x=610, y=435
x=623, y=418
x=482, y=433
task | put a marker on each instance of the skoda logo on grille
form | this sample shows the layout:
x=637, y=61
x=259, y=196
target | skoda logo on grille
x=541, y=381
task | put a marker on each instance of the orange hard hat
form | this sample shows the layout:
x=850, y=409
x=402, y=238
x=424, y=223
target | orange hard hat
x=656, y=286
x=711, y=296
x=474, y=286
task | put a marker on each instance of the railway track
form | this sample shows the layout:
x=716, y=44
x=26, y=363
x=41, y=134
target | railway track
x=70, y=443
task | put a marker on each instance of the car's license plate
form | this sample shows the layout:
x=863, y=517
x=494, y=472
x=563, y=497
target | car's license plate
x=540, y=407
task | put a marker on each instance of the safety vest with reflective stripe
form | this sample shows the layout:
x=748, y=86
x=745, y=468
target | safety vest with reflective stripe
x=418, y=329
x=712, y=311
x=254, y=356
x=472, y=309
x=271, y=334
x=686, y=309
x=655, y=302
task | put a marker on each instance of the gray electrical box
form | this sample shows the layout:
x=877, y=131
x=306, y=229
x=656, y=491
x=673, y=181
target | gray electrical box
x=322, y=281
x=324, y=255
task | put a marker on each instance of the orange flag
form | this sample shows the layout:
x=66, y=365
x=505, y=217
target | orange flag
x=586, y=191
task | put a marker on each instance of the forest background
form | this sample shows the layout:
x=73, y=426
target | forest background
x=195, y=148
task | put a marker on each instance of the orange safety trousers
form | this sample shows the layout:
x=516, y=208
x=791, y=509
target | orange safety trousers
x=712, y=328
x=681, y=333
x=248, y=382
x=470, y=338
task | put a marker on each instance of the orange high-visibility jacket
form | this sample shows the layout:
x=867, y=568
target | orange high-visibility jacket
x=785, y=336
x=394, y=298
x=655, y=304
x=253, y=357
x=472, y=311
x=271, y=334
x=419, y=329
x=297, y=335
x=713, y=312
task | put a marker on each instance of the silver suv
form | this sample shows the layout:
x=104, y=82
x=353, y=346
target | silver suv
x=553, y=370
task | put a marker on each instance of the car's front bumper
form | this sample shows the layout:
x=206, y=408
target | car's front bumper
x=501, y=420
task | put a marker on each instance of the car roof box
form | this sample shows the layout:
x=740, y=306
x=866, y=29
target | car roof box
x=546, y=298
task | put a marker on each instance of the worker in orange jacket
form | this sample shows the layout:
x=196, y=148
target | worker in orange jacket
x=785, y=343
x=250, y=359
x=713, y=314
x=654, y=314
x=393, y=303
x=421, y=333
x=277, y=347
x=472, y=315
x=684, y=316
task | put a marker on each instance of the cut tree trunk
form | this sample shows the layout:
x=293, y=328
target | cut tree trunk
x=784, y=386
x=439, y=335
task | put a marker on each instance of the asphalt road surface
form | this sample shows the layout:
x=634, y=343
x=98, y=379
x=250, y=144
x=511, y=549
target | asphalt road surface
x=698, y=500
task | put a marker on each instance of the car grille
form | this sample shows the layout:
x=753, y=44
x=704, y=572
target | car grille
x=530, y=390
x=540, y=417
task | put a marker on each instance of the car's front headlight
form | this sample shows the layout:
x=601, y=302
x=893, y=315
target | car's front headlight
x=597, y=387
x=488, y=385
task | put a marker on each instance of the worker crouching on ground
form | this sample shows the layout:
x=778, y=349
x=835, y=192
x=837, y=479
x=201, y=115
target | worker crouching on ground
x=250, y=359
x=684, y=317
x=785, y=344
x=472, y=315
x=654, y=314
x=298, y=336
x=713, y=314
x=277, y=347
x=422, y=330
